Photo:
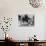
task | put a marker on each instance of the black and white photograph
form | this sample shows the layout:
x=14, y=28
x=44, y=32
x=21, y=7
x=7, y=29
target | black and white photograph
x=26, y=20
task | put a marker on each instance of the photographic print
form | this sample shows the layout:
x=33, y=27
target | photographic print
x=26, y=20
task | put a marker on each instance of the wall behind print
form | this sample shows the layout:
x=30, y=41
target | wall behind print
x=12, y=8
